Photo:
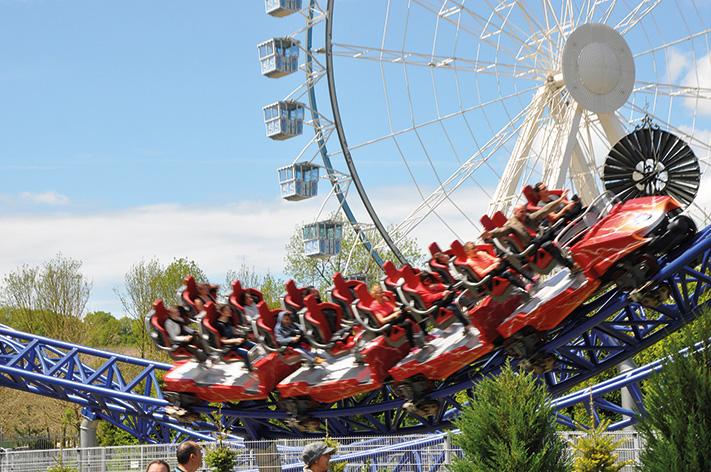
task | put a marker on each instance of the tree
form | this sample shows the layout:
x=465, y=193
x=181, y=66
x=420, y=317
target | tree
x=49, y=300
x=676, y=427
x=353, y=258
x=148, y=281
x=508, y=425
x=271, y=287
x=595, y=452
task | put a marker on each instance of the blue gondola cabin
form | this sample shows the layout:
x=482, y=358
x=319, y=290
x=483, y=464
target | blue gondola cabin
x=279, y=57
x=282, y=7
x=298, y=181
x=323, y=239
x=284, y=119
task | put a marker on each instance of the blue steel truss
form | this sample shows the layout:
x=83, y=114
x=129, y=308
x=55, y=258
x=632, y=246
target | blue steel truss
x=598, y=335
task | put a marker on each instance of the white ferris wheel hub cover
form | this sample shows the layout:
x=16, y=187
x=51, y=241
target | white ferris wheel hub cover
x=598, y=68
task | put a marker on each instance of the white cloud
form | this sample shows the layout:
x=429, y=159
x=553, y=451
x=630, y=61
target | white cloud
x=108, y=243
x=45, y=198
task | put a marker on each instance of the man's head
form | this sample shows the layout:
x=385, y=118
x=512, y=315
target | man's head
x=317, y=455
x=158, y=465
x=426, y=278
x=189, y=456
x=520, y=212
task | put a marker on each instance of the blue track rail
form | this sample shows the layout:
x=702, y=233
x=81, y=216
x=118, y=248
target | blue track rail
x=598, y=335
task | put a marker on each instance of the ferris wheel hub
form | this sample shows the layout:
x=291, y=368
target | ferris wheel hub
x=598, y=68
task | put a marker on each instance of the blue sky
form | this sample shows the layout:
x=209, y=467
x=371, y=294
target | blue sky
x=133, y=130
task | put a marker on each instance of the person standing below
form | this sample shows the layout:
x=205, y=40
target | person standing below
x=316, y=457
x=158, y=465
x=189, y=457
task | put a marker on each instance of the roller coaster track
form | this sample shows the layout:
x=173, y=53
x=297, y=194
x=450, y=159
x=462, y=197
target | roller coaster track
x=598, y=335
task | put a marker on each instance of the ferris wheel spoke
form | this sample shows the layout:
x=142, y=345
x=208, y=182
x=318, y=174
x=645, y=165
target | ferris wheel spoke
x=636, y=16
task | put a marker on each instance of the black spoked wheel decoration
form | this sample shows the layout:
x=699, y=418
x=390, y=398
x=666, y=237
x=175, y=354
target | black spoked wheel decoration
x=649, y=162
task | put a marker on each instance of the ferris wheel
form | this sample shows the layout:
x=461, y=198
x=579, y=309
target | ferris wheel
x=440, y=111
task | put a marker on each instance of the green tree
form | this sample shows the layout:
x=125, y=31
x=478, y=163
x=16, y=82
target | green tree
x=353, y=258
x=676, y=427
x=595, y=452
x=49, y=300
x=148, y=281
x=508, y=425
x=270, y=286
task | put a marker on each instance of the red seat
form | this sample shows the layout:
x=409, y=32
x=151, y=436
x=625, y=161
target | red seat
x=211, y=336
x=265, y=334
x=408, y=291
x=533, y=199
x=236, y=299
x=438, y=268
x=342, y=293
x=367, y=319
x=155, y=326
x=479, y=284
x=293, y=299
x=188, y=293
x=318, y=330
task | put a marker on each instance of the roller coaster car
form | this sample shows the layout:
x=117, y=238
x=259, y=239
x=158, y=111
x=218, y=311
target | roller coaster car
x=621, y=245
x=442, y=270
x=615, y=244
x=342, y=293
x=361, y=369
x=155, y=326
x=478, y=284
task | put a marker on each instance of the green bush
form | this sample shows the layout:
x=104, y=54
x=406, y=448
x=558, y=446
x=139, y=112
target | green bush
x=508, y=426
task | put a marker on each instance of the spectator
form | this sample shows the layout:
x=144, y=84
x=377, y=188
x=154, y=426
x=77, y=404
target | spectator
x=158, y=465
x=189, y=457
x=316, y=457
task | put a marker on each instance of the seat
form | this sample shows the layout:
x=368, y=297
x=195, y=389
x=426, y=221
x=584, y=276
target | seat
x=236, y=299
x=367, y=319
x=533, y=199
x=318, y=330
x=211, y=336
x=409, y=288
x=263, y=329
x=293, y=299
x=476, y=283
x=517, y=254
x=442, y=270
x=155, y=326
x=342, y=293
x=188, y=293
x=391, y=278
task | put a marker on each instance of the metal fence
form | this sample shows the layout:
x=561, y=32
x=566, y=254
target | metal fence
x=427, y=453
